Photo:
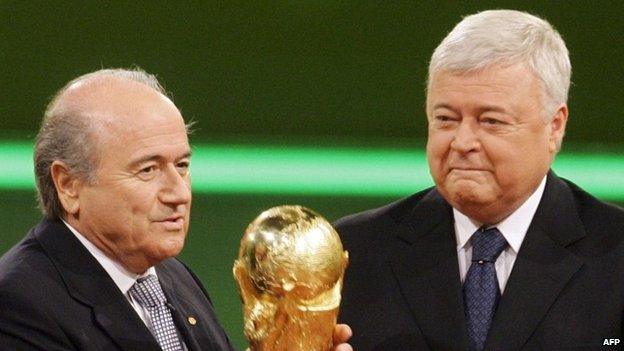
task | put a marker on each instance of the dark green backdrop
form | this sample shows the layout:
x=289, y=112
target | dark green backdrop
x=280, y=72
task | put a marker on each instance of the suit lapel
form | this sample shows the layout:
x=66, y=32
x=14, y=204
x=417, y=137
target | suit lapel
x=124, y=326
x=542, y=269
x=88, y=282
x=426, y=268
x=184, y=312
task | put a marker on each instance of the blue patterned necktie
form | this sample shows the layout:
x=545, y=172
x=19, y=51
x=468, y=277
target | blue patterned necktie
x=149, y=294
x=481, y=291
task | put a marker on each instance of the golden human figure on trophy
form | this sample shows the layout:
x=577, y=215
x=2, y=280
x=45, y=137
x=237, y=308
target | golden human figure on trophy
x=290, y=269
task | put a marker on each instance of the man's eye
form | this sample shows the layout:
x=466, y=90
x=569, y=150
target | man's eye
x=148, y=170
x=183, y=167
x=444, y=118
x=491, y=121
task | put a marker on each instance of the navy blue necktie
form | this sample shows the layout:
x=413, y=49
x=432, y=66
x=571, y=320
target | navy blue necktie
x=481, y=291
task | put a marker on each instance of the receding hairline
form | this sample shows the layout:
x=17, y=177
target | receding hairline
x=79, y=93
x=68, y=129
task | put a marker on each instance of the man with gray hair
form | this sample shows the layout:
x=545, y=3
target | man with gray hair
x=99, y=272
x=112, y=170
x=501, y=254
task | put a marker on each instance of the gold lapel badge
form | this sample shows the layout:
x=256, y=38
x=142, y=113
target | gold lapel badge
x=192, y=320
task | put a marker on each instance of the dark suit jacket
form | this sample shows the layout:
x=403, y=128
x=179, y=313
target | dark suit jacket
x=402, y=289
x=54, y=295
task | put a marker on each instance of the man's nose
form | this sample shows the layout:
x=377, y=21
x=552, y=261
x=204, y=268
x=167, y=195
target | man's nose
x=466, y=138
x=176, y=187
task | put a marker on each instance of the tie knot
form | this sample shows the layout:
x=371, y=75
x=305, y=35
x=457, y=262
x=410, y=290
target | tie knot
x=148, y=292
x=487, y=244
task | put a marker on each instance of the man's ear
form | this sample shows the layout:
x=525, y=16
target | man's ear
x=557, y=127
x=67, y=187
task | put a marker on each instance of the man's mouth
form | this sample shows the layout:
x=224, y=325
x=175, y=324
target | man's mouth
x=175, y=222
x=467, y=169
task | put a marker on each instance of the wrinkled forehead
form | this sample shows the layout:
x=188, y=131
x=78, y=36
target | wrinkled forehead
x=506, y=76
x=125, y=114
x=496, y=69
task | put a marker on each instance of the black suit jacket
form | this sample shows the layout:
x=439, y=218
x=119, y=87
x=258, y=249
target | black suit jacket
x=402, y=289
x=54, y=295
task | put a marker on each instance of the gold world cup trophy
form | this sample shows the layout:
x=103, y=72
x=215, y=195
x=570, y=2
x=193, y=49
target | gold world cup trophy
x=289, y=270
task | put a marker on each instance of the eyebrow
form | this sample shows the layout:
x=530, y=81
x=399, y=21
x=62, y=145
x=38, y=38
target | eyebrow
x=492, y=108
x=481, y=109
x=443, y=105
x=155, y=157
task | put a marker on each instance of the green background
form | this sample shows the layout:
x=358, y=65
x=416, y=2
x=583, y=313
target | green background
x=317, y=74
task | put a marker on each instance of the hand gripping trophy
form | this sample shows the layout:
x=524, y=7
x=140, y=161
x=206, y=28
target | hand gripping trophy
x=289, y=270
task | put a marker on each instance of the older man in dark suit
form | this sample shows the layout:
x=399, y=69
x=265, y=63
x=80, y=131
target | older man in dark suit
x=99, y=272
x=501, y=254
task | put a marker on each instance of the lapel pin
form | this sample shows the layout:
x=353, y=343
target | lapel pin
x=192, y=320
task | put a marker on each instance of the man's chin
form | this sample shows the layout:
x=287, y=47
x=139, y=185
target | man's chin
x=170, y=248
x=468, y=194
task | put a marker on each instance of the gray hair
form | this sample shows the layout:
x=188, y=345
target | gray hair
x=496, y=36
x=65, y=135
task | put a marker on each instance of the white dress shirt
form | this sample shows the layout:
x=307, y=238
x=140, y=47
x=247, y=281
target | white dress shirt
x=123, y=278
x=513, y=228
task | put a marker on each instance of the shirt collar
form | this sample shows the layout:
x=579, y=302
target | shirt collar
x=123, y=278
x=513, y=228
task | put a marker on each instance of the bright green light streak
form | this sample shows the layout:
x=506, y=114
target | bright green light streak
x=326, y=171
x=16, y=166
